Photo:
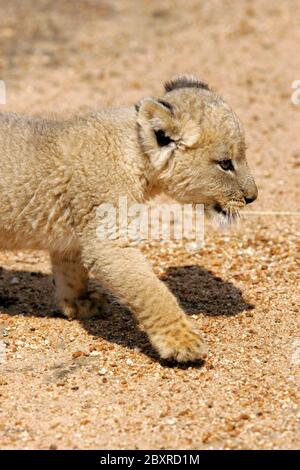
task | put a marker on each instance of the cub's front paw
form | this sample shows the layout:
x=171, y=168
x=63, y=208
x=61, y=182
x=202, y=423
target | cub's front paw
x=89, y=305
x=182, y=344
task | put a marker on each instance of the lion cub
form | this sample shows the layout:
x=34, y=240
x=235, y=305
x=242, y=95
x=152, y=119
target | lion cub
x=54, y=175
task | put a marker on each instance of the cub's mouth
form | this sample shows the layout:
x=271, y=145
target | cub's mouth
x=217, y=208
x=222, y=216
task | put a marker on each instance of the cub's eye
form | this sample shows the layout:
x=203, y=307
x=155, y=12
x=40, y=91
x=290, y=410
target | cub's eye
x=162, y=139
x=226, y=165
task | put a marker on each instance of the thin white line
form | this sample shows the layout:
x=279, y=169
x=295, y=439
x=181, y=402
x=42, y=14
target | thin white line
x=289, y=213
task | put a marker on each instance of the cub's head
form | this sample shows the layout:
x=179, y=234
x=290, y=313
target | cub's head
x=196, y=148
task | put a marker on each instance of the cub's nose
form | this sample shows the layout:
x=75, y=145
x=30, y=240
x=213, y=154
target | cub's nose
x=250, y=199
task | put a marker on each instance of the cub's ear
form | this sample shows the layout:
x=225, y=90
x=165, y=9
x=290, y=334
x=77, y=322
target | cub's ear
x=157, y=115
x=158, y=130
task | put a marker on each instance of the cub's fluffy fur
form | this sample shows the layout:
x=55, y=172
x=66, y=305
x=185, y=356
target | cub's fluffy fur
x=54, y=176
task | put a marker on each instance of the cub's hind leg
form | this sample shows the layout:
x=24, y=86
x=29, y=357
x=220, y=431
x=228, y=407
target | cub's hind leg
x=72, y=294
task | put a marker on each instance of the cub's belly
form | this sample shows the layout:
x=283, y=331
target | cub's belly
x=64, y=240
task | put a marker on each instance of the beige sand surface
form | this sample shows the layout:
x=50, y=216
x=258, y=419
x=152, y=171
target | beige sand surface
x=98, y=384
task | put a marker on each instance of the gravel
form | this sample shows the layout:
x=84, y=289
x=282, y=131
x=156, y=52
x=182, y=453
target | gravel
x=97, y=383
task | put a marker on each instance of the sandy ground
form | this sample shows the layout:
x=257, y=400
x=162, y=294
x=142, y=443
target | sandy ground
x=98, y=384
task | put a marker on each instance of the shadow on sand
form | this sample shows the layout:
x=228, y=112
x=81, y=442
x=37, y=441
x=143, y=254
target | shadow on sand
x=198, y=291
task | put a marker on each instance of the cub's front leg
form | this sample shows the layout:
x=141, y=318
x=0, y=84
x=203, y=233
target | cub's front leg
x=72, y=294
x=125, y=272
